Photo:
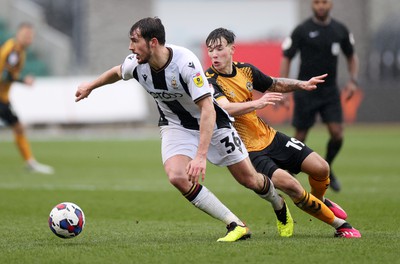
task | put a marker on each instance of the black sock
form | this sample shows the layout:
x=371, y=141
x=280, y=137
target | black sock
x=281, y=214
x=333, y=149
x=345, y=225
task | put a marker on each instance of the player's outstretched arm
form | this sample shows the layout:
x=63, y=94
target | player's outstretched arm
x=284, y=85
x=110, y=76
x=237, y=109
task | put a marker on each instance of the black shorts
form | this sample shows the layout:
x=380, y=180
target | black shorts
x=325, y=102
x=7, y=115
x=284, y=153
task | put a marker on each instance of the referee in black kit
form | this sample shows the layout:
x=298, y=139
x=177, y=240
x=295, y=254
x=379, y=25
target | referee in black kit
x=320, y=40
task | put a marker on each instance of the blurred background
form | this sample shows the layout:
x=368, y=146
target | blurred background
x=79, y=39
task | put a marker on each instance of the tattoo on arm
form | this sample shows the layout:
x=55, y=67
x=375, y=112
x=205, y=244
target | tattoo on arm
x=284, y=85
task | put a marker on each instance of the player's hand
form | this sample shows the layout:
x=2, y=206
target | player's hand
x=29, y=80
x=285, y=102
x=267, y=99
x=82, y=92
x=312, y=83
x=195, y=169
x=349, y=90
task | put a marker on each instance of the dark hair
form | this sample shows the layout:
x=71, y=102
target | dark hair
x=218, y=34
x=150, y=27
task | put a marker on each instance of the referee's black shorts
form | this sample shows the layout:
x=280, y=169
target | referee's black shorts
x=307, y=105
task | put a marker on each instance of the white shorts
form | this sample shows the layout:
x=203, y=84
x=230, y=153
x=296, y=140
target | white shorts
x=226, y=147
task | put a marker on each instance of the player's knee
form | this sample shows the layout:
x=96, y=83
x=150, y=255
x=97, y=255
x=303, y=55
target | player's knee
x=177, y=177
x=250, y=182
x=18, y=129
x=322, y=170
x=337, y=138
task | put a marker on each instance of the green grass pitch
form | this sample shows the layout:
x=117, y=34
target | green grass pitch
x=133, y=215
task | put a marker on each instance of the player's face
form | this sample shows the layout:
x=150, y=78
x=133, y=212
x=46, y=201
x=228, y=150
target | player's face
x=140, y=47
x=220, y=53
x=321, y=8
x=25, y=36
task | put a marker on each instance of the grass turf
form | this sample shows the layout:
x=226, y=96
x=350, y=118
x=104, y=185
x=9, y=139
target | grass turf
x=133, y=215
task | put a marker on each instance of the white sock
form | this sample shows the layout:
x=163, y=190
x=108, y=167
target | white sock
x=209, y=203
x=337, y=222
x=272, y=195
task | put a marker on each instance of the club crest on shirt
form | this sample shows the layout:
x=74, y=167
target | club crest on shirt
x=198, y=80
x=249, y=86
x=335, y=48
x=174, y=84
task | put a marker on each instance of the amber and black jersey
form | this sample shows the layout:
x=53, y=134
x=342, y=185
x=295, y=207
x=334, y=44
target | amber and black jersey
x=12, y=61
x=237, y=87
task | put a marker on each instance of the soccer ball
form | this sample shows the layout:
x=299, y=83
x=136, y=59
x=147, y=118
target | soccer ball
x=66, y=220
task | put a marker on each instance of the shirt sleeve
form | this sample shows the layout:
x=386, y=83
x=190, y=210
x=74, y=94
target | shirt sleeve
x=261, y=81
x=291, y=44
x=193, y=75
x=216, y=90
x=128, y=66
x=347, y=45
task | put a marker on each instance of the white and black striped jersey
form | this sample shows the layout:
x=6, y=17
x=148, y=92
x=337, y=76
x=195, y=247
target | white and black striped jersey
x=176, y=88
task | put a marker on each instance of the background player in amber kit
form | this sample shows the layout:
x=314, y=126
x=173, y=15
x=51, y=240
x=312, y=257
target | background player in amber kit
x=319, y=40
x=272, y=153
x=12, y=59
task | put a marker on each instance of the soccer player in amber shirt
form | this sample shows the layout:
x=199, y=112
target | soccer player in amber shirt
x=271, y=152
x=12, y=59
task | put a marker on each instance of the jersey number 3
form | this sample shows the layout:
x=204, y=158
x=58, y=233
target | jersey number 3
x=231, y=146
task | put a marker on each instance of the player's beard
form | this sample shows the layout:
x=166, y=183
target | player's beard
x=143, y=60
x=321, y=15
x=144, y=57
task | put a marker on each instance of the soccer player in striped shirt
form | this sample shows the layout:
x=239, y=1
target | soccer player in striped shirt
x=193, y=127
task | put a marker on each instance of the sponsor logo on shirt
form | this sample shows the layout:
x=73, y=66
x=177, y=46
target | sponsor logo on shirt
x=313, y=34
x=198, y=80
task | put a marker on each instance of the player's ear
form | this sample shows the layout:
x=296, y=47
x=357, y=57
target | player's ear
x=153, y=42
x=233, y=47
